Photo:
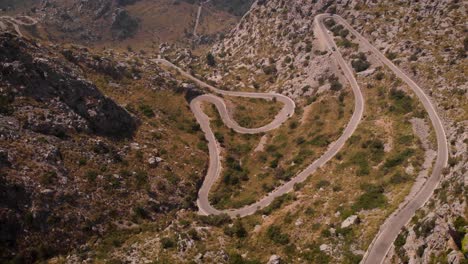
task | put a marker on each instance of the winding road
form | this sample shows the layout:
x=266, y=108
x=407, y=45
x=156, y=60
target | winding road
x=215, y=166
x=390, y=229
x=197, y=21
x=4, y=20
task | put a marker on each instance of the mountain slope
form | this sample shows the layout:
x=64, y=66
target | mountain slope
x=74, y=163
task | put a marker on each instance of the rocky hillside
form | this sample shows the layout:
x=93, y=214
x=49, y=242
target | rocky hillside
x=137, y=23
x=428, y=40
x=70, y=157
x=101, y=159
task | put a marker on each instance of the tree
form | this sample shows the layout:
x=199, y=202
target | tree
x=210, y=59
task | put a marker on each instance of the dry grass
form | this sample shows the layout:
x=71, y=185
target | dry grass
x=253, y=113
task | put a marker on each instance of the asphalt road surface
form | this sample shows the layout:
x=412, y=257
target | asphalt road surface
x=391, y=228
x=215, y=166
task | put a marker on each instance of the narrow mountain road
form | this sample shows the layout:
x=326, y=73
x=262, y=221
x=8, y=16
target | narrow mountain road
x=16, y=23
x=215, y=167
x=197, y=21
x=286, y=112
x=391, y=228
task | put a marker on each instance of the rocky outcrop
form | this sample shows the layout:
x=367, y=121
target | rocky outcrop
x=26, y=66
x=123, y=24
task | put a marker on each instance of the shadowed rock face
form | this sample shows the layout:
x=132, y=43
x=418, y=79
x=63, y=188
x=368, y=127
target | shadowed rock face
x=123, y=25
x=26, y=66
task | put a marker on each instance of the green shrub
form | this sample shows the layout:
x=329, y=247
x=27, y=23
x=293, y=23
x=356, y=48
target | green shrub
x=398, y=159
x=141, y=178
x=320, y=141
x=140, y=212
x=373, y=197
x=315, y=255
x=48, y=178
x=193, y=234
x=398, y=178
x=270, y=70
x=277, y=202
x=391, y=55
x=360, y=159
x=402, y=103
x=401, y=239
x=82, y=161
x=274, y=234
x=360, y=65
x=146, y=110
x=167, y=242
x=215, y=220
x=336, y=85
x=237, y=230
x=322, y=184
x=345, y=43
x=210, y=59
x=91, y=175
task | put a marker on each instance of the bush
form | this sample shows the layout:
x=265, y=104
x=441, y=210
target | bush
x=343, y=42
x=167, y=242
x=48, y=178
x=91, y=175
x=193, y=234
x=398, y=159
x=401, y=239
x=335, y=85
x=82, y=161
x=398, y=178
x=376, y=148
x=420, y=250
x=391, y=55
x=141, y=178
x=402, y=103
x=140, y=212
x=360, y=159
x=329, y=23
x=320, y=141
x=372, y=198
x=322, y=184
x=360, y=65
x=215, y=220
x=210, y=60
x=294, y=124
x=274, y=234
x=270, y=70
x=277, y=203
x=379, y=76
x=237, y=230
x=413, y=57
x=315, y=255
x=146, y=110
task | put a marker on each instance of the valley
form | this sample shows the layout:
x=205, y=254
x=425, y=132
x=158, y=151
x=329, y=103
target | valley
x=233, y=132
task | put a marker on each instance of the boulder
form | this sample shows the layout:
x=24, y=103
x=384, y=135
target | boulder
x=274, y=259
x=354, y=219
